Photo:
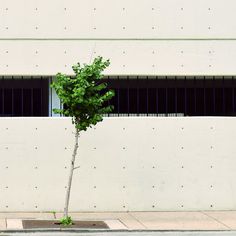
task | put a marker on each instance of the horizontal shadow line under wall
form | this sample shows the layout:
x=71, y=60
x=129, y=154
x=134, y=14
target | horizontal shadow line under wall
x=117, y=39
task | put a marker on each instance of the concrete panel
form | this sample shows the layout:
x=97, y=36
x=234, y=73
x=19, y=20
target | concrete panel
x=26, y=215
x=125, y=164
x=178, y=221
x=228, y=219
x=14, y=224
x=124, y=217
x=117, y=19
x=3, y=225
x=115, y=225
x=127, y=57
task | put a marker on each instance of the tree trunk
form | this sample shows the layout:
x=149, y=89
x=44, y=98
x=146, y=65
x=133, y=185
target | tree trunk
x=72, y=166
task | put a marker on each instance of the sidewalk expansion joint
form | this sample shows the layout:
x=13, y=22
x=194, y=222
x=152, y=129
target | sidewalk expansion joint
x=216, y=220
x=137, y=220
x=123, y=223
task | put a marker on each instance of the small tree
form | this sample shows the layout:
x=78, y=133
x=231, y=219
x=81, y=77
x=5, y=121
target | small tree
x=83, y=97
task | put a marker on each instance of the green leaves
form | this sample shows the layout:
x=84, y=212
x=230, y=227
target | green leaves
x=84, y=96
x=66, y=221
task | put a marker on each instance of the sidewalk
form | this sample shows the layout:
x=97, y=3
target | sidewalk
x=202, y=220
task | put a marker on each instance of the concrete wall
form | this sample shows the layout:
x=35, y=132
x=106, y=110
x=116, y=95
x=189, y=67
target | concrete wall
x=155, y=37
x=125, y=164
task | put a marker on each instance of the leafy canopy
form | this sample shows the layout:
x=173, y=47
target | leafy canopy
x=84, y=95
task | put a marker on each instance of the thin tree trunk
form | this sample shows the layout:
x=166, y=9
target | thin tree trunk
x=72, y=166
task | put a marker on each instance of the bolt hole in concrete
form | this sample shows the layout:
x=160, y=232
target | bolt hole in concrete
x=34, y=224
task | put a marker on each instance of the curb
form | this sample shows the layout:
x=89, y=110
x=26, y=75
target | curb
x=77, y=230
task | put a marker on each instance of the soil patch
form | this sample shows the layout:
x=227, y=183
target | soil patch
x=37, y=224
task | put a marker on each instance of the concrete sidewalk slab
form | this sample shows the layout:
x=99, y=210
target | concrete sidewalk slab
x=14, y=224
x=178, y=221
x=93, y=215
x=133, y=224
x=129, y=221
x=3, y=224
x=228, y=218
x=26, y=215
x=205, y=220
x=115, y=224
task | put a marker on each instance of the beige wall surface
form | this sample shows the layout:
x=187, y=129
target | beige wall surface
x=127, y=57
x=125, y=164
x=118, y=19
x=154, y=37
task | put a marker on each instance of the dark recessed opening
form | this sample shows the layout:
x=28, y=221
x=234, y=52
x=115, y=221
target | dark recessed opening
x=178, y=96
x=158, y=96
x=24, y=97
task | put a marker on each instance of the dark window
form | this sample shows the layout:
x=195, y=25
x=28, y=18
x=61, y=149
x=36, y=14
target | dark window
x=23, y=97
x=179, y=96
x=162, y=100
x=133, y=101
x=152, y=100
x=181, y=100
